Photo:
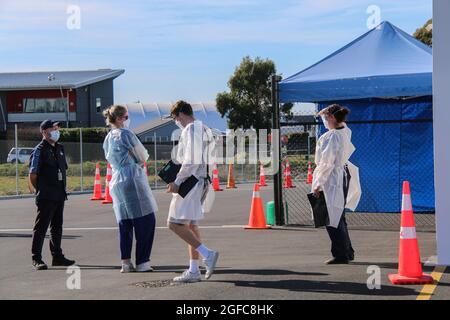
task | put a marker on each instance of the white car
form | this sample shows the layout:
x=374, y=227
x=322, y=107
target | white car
x=24, y=155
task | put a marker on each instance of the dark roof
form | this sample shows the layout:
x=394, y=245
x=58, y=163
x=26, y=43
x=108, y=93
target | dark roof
x=300, y=119
x=152, y=125
x=55, y=79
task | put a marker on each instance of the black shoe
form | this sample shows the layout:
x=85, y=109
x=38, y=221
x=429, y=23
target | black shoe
x=337, y=261
x=62, y=262
x=351, y=257
x=39, y=265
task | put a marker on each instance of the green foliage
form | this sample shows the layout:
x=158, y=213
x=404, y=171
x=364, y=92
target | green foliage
x=248, y=104
x=425, y=33
x=89, y=134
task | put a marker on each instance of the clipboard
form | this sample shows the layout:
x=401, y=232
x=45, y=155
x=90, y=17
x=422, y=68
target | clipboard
x=169, y=174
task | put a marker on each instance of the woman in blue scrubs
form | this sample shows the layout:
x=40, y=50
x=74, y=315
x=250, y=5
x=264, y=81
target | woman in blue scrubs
x=133, y=202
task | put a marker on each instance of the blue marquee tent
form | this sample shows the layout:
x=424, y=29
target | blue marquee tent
x=385, y=78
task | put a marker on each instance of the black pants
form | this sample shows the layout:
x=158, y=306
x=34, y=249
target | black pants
x=49, y=213
x=341, y=245
x=144, y=230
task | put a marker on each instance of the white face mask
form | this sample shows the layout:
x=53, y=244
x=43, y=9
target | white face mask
x=179, y=125
x=325, y=121
x=126, y=123
x=54, y=135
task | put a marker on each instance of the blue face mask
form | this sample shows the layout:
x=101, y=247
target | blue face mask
x=54, y=135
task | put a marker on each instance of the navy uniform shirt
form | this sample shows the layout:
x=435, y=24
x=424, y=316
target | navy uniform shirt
x=49, y=164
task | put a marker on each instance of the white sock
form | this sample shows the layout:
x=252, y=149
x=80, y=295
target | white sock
x=193, y=266
x=204, y=251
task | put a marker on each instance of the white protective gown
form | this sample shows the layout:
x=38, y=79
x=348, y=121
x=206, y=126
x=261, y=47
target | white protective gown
x=333, y=151
x=191, y=153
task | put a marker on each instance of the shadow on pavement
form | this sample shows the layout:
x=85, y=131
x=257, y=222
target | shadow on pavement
x=22, y=235
x=95, y=267
x=350, y=288
x=174, y=268
x=385, y=265
x=268, y=272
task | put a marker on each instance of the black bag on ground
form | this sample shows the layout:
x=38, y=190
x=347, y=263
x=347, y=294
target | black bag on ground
x=319, y=209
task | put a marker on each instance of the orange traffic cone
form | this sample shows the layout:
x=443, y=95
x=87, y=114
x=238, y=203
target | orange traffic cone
x=231, y=183
x=309, y=178
x=262, y=176
x=108, y=198
x=409, y=266
x=216, y=183
x=257, y=218
x=97, y=184
x=145, y=168
x=287, y=176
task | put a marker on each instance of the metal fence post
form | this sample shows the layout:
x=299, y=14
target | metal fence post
x=156, y=159
x=16, y=144
x=81, y=160
x=278, y=193
x=309, y=147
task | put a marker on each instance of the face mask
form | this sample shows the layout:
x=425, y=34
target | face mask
x=179, y=125
x=54, y=135
x=325, y=121
x=126, y=123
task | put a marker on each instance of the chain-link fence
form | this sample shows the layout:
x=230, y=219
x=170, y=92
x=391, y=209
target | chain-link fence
x=82, y=157
x=383, y=165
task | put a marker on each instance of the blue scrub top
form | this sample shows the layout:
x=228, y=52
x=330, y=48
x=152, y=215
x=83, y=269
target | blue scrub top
x=129, y=187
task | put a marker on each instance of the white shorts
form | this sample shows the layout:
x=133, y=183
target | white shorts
x=183, y=221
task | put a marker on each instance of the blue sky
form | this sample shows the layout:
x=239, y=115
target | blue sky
x=188, y=49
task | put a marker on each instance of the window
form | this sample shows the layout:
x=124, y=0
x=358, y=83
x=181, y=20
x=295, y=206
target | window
x=25, y=152
x=45, y=105
x=98, y=104
x=28, y=105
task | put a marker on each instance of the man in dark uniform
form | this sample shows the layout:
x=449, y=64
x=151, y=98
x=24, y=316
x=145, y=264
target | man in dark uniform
x=47, y=179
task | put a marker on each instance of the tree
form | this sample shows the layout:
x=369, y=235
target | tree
x=248, y=104
x=425, y=33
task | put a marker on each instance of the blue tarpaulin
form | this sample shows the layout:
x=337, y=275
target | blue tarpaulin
x=390, y=153
x=372, y=76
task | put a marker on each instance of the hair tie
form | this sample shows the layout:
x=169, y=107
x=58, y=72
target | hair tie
x=334, y=113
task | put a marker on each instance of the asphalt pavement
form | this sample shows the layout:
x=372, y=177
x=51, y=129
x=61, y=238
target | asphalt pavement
x=280, y=263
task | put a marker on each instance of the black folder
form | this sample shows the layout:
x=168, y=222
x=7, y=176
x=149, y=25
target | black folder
x=319, y=209
x=169, y=173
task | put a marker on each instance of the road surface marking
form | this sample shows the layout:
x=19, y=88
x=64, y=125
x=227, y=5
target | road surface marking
x=428, y=289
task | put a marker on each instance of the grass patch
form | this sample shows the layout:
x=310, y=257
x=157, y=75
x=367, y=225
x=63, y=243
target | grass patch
x=8, y=184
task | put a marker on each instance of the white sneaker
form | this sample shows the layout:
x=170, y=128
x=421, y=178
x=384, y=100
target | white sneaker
x=188, y=277
x=127, y=267
x=210, y=263
x=144, y=267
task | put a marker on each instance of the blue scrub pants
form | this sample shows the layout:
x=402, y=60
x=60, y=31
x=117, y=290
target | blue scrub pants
x=144, y=229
